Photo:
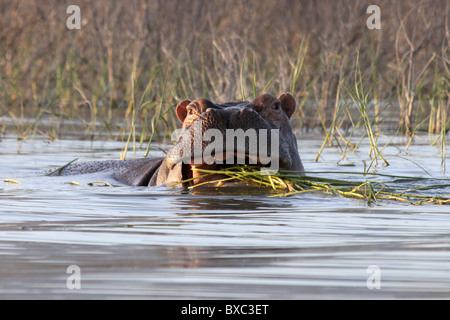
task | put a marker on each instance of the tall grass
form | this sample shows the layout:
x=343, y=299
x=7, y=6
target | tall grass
x=123, y=72
x=361, y=100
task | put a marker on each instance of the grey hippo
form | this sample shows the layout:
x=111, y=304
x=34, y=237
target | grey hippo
x=271, y=140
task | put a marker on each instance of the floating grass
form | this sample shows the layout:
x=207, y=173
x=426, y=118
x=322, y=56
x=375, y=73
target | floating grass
x=287, y=183
x=99, y=183
x=61, y=168
x=11, y=181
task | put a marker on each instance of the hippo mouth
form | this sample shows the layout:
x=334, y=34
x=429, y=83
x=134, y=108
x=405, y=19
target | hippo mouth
x=191, y=175
x=218, y=137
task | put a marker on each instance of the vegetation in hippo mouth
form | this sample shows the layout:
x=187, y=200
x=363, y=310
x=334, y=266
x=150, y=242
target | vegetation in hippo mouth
x=193, y=174
x=286, y=183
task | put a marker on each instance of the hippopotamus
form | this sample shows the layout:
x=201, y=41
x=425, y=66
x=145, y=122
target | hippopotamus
x=262, y=128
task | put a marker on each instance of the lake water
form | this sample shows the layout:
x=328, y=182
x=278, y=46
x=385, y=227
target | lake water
x=169, y=243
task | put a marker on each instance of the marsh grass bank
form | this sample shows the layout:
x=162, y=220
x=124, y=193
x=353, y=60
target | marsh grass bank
x=137, y=60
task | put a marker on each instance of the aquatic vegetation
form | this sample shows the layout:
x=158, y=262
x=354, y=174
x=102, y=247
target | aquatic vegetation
x=372, y=190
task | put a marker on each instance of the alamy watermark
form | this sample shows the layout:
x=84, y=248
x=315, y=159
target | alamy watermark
x=74, y=20
x=374, y=279
x=74, y=280
x=251, y=146
x=374, y=20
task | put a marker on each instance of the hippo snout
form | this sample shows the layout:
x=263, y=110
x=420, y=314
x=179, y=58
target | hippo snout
x=231, y=133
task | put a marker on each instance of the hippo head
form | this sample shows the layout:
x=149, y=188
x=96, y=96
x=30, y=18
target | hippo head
x=214, y=136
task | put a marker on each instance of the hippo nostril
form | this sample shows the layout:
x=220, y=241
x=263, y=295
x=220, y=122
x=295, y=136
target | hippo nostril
x=208, y=114
x=211, y=111
x=247, y=110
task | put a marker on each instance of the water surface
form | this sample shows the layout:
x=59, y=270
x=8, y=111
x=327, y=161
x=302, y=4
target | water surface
x=170, y=243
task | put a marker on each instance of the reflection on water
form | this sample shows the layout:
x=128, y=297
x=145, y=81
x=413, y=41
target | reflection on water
x=229, y=200
x=212, y=243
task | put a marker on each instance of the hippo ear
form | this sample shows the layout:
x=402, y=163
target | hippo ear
x=181, y=110
x=287, y=103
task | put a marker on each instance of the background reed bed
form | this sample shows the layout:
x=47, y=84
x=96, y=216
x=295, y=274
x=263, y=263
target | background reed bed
x=121, y=74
